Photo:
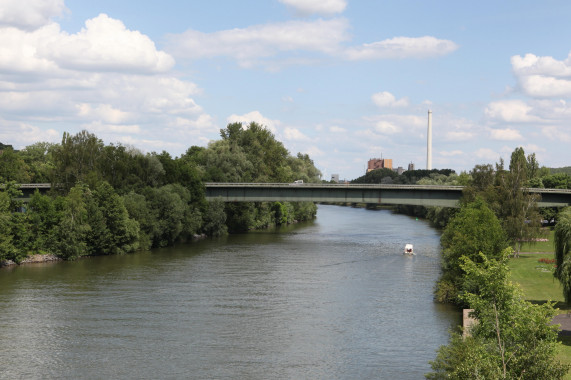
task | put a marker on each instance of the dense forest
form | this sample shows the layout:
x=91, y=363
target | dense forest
x=109, y=199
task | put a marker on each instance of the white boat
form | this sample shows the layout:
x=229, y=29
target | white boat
x=408, y=250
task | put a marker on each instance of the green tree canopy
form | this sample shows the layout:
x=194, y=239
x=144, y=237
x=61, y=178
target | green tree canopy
x=474, y=229
x=512, y=339
x=562, y=246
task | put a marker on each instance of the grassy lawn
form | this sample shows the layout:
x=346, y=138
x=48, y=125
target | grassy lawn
x=540, y=246
x=538, y=284
x=536, y=279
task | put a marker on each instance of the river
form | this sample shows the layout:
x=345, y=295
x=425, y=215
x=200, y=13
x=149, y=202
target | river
x=330, y=299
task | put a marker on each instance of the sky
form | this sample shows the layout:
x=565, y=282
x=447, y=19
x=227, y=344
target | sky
x=341, y=80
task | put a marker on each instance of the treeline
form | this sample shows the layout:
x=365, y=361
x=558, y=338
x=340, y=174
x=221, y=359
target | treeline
x=409, y=177
x=108, y=199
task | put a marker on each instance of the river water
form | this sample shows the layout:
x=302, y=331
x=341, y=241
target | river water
x=329, y=299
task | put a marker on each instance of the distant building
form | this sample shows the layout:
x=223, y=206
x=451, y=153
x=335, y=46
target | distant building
x=400, y=170
x=335, y=178
x=379, y=163
x=411, y=166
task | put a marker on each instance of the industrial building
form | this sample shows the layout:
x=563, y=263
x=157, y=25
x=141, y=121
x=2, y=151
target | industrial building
x=379, y=163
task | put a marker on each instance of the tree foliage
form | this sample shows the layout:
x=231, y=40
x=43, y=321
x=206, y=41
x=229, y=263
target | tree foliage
x=474, y=229
x=512, y=339
x=506, y=193
x=562, y=246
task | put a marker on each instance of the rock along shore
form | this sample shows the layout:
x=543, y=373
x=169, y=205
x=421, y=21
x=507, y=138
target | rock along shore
x=32, y=259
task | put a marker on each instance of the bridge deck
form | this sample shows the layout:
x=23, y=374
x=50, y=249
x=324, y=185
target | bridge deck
x=416, y=195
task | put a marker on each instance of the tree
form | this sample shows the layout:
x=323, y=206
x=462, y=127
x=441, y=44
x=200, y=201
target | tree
x=557, y=181
x=516, y=206
x=376, y=176
x=474, y=229
x=225, y=161
x=139, y=210
x=39, y=159
x=76, y=159
x=72, y=232
x=562, y=246
x=483, y=177
x=505, y=191
x=112, y=231
x=7, y=249
x=267, y=155
x=44, y=220
x=13, y=167
x=513, y=338
x=215, y=219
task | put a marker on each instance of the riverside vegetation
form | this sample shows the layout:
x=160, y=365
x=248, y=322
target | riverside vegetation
x=513, y=338
x=113, y=199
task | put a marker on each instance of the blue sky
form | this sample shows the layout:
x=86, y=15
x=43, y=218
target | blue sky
x=341, y=80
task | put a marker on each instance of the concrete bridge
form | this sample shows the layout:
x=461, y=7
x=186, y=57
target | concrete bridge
x=415, y=195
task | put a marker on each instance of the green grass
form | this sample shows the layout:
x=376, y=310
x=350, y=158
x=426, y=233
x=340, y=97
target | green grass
x=564, y=355
x=538, y=285
x=540, y=246
x=536, y=279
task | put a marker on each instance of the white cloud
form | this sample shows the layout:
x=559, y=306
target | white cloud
x=459, y=135
x=248, y=45
x=511, y=111
x=29, y=14
x=106, y=78
x=106, y=44
x=533, y=148
x=204, y=122
x=531, y=64
x=386, y=99
x=386, y=127
x=545, y=86
x=390, y=124
x=314, y=151
x=556, y=133
x=267, y=44
x=325, y=7
x=294, y=134
x=402, y=47
x=505, y=134
x=336, y=129
x=103, y=112
x=19, y=50
x=487, y=154
x=254, y=116
x=451, y=153
x=543, y=76
x=99, y=127
x=21, y=134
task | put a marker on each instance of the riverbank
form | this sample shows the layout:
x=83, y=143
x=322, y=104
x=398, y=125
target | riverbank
x=45, y=258
x=38, y=258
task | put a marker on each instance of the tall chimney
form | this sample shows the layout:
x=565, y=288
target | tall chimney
x=429, y=142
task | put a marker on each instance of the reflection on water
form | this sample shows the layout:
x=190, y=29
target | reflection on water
x=331, y=299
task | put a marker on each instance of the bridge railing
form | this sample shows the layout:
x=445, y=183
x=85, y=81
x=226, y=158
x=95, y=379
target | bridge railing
x=333, y=186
